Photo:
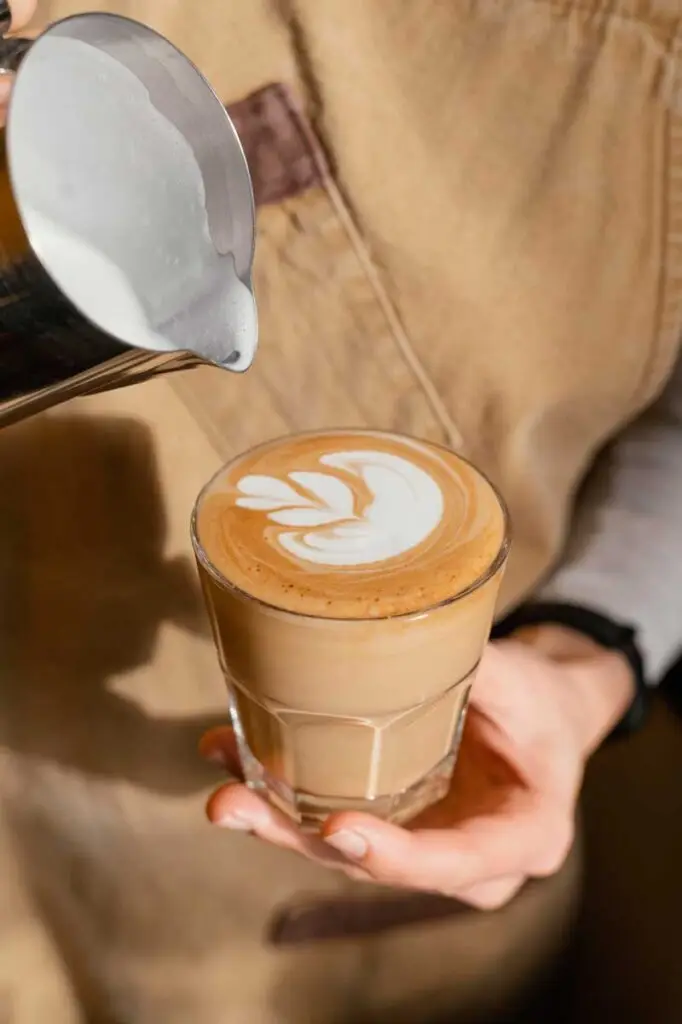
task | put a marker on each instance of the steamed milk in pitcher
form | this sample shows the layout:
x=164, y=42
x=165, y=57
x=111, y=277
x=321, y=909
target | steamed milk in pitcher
x=133, y=255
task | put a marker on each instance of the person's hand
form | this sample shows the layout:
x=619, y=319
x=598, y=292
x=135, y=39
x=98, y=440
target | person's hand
x=540, y=705
x=22, y=12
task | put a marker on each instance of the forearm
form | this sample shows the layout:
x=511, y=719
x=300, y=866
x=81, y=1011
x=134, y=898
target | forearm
x=625, y=555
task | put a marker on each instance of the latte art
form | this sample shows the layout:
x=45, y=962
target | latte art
x=351, y=524
x=405, y=508
x=351, y=579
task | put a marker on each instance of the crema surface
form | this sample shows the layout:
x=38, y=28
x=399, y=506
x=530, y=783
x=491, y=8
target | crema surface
x=351, y=524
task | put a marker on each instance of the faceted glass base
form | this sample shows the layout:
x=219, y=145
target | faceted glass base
x=310, y=812
x=282, y=749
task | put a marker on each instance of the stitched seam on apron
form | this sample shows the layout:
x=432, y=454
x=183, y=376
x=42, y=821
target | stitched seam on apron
x=668, y=327
x=642, y=11
x=670, y=317
x=663, y=31
x=313, y=170
x=398, y=332
x=395, y=325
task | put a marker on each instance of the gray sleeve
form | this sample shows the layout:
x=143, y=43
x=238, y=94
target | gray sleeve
x=625, y=551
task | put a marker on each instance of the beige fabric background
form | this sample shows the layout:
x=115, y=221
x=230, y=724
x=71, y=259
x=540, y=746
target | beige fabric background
x=473, y=284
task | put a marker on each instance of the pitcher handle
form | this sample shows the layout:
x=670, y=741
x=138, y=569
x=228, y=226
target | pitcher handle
x=12, y=51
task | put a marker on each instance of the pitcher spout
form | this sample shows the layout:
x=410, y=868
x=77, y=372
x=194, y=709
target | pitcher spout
x=127, y=218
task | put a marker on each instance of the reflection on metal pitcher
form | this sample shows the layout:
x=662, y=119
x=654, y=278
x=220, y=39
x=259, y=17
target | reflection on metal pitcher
x=126, y=217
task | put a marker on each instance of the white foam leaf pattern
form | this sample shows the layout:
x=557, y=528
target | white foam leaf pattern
x=352, y=540
x=264, y=504
x=276, y=491
x=407, y=506
x=328, y=489
x=304, y=517
x=354, y=530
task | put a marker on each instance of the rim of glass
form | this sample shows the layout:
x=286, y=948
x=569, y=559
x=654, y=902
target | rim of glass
x=480, y=581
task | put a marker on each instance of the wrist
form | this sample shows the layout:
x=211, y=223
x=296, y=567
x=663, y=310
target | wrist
x=598, y=685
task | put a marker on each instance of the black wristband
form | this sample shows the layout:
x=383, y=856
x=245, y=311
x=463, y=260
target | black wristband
x=613, y=636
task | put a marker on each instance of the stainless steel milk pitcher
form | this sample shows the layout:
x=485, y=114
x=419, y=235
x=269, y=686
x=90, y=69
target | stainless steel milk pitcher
x=126, y=216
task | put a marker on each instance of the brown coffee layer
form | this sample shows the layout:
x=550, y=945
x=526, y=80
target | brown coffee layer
x=248, y=549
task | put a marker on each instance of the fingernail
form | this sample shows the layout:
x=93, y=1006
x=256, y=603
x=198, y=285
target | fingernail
x=237, y=824
x=351, y=844
x=213, y=756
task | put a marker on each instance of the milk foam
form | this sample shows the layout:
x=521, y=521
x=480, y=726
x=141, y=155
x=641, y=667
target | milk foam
x=407, y=506
x=351, y=524
x=100, y=290
x=97, y=287
x=115, y=200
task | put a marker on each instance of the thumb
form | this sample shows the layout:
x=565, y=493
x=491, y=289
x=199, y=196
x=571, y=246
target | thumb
x=512, y=842
x=22, y=12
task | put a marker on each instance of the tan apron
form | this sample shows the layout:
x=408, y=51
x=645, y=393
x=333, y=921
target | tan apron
x=472, y=234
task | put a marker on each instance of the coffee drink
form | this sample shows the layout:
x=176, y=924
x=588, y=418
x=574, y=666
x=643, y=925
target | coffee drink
x=351, y=580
